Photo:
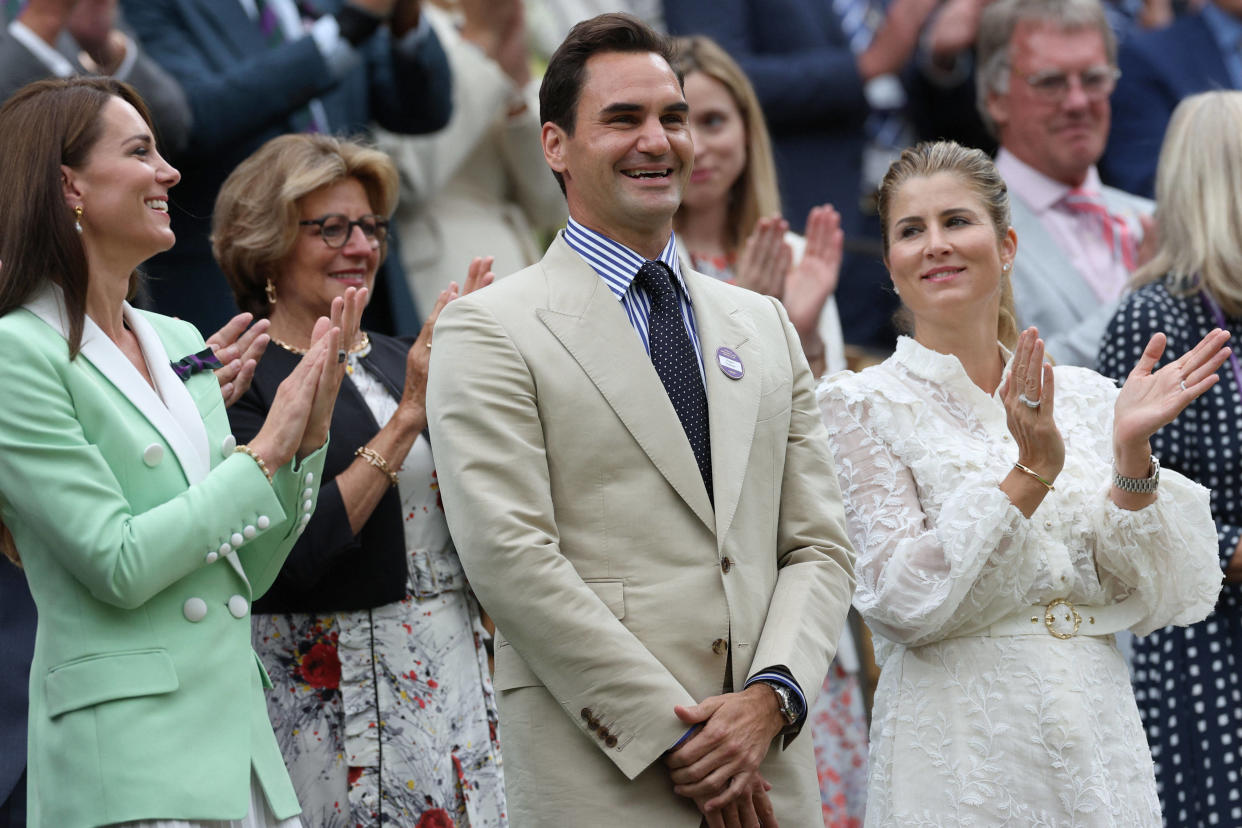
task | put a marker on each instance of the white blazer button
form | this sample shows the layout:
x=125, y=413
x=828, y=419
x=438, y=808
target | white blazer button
x=309, y=479
x=212, y=557
x=153, y=454
x=263, y=522
x=249, y=532
x=238, y=606
x=305, y=519
x=228, y=444
x=195, y=610
x=225, y=548
x=308, y=492
x=308, y=505
x=237, y=540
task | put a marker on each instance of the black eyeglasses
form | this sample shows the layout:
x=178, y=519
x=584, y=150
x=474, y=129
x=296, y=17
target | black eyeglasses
x=335, y=229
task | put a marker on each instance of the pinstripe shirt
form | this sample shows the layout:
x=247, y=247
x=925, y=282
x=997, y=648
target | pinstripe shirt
x=617, y=265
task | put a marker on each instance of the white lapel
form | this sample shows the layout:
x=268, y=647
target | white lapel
x=175, y=417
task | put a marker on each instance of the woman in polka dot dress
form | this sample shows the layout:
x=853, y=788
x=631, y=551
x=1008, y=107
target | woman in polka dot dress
x=1186, y=679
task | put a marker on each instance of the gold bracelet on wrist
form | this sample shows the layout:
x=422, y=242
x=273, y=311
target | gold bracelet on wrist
x=1035, y=475
x=373, y=457
x=254, y=455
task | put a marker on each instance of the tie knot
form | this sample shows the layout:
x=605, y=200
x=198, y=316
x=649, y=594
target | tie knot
x=1084, y=200
x=654, y=277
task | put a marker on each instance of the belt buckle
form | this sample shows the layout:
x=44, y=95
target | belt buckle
x=1050, y=619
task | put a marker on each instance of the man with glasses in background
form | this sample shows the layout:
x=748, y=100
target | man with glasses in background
x=1045, y=71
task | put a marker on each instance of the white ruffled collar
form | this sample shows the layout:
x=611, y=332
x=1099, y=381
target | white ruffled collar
x=944, y=370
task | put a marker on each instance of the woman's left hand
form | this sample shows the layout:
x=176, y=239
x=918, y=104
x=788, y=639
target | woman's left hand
x=810, y=283
x=1151, y=399
x=239, y=346
x=346, y=314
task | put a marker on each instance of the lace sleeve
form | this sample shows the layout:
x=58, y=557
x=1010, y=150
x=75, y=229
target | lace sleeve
x=921, y=578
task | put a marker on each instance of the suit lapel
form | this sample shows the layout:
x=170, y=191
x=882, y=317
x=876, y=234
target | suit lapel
x=1043, y=255
x=234, y=31
x=589, y=322
x=175, y=420
x=732, y=405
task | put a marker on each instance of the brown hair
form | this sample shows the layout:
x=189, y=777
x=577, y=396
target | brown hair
x=562, y=82
x=755, y=192
x=976, y=171
x=44, y=125
x=255, y=223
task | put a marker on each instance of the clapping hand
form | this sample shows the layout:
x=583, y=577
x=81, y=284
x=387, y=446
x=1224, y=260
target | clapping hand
x=1028, y=393
x=810, y=282
x=238, y=346
x=1151, y=399
x=418, y=360
x=345, y=316
x=765, y=260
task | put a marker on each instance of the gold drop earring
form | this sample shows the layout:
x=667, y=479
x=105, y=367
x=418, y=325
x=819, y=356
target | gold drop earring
x=77, y=219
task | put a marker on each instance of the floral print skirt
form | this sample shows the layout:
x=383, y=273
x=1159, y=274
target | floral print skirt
x=386, y=717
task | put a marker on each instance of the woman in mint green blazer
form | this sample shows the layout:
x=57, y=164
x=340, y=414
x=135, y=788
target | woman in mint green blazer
x=144, y=531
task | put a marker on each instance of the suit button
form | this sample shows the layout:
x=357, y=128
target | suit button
x=720, y=646
x=194, y=609
x=611, y=741
x=227, y=445
x=238, y=606
x=308, y=506
x=726, y=564
x=308, y=493
x=212, y=557
x=236, y=539
x=263, y=522
x=586, y=714
x=249, y=532
x=309, y=479
x=153, y=454
x=225, y=548
x=593, y=723
x=603, y=732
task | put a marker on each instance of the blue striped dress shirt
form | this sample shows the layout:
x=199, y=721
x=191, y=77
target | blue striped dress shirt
x=617, y=265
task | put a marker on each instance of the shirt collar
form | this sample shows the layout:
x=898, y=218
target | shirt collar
x=1039, y=191
x=615, y=263
x=1225, y=28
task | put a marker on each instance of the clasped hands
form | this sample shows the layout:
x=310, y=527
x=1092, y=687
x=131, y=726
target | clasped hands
x=718, y=766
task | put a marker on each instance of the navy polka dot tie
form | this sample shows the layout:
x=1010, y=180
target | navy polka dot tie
x=673, y=356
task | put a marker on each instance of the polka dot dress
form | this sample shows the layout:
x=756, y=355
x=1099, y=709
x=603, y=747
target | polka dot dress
x=1186, y=679
x=673, y=356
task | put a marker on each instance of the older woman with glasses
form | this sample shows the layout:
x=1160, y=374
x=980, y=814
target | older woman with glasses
x=383, y=705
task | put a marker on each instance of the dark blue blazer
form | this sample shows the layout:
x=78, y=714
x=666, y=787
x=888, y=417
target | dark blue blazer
x=1158, y=69
x=242, y=93
x=330, y=568
x=17, y=635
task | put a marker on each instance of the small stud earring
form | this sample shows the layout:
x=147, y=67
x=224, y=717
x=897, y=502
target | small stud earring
x=77, y=218
x=1005, y=267
x=270, y=290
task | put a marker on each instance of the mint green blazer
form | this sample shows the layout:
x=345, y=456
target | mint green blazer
x=144, y=537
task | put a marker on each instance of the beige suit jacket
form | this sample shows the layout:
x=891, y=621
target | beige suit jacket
x=586, y=531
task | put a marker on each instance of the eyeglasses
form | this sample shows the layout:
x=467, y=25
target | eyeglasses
x=1097, y=82
x=335, y=229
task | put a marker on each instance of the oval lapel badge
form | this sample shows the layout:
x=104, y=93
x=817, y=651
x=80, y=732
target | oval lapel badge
x=730, y=363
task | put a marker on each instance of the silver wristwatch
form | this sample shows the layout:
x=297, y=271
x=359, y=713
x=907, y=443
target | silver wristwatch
x=1139, y=485
x=788, y=702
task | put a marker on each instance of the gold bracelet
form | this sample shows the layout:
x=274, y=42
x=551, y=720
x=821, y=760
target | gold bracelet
x=1034, y=474
x=373, y=457
x=254, y=455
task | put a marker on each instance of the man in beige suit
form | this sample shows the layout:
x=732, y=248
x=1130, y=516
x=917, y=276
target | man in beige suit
x=639, y=487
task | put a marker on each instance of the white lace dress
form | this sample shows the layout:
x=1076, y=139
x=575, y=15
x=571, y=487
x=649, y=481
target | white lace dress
x=1016, y=730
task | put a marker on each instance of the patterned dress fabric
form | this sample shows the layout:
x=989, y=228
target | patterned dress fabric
x=397, y=699
x=1188, y=680
x=1030, y=730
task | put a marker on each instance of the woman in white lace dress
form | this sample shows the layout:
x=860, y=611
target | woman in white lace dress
x=993, y=586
